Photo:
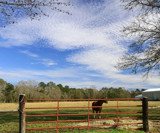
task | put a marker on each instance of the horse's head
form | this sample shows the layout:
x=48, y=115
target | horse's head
x=104, y=100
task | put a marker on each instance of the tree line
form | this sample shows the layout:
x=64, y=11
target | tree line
x=40, y=90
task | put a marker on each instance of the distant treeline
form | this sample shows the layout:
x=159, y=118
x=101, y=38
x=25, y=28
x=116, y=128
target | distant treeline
x=40, y=90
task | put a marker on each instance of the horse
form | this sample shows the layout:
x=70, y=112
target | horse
x=98, y=103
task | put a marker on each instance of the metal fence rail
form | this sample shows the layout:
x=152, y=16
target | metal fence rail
x=88, y=113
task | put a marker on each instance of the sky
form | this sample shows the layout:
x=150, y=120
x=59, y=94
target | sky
x=80, y=50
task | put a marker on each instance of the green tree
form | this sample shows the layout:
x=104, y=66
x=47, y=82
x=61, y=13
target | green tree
x=143, y=54
x=112, y=93
x=60, y=86
x=51, y=84
x=53, y=92
x=8, y=92
x=42, y=84
x=143, y=90
x=2, y=84
x=138, y=92
x=104, y=92
x=2, y=88
x=90, y=93
x=135, y=92
x=76, y=94
x=66, y=88
x=12, y=10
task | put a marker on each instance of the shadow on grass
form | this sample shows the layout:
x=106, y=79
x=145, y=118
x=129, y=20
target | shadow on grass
x=7, y=117
x=9, y=122
x=154, y=114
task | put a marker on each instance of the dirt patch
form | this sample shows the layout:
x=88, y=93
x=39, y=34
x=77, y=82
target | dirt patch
x=155, y=127
x=124, y=124
x=154, y=107
x=111, y=124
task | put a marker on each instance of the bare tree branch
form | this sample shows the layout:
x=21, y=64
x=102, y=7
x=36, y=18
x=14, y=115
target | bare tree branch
x=143, y=54
x=10, y=10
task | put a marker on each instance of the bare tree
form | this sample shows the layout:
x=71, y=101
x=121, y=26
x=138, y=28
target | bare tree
x=145, y=5
x=11, y=10
x=143, y=54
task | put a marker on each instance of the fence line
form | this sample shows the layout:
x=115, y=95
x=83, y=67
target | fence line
x=88, y=120
x=109, y=99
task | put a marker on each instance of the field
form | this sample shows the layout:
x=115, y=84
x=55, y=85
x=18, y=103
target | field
x=9, y=115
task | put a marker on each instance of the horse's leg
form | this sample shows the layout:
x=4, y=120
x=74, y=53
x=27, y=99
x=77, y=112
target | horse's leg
x=93, y=113
x=96, y=114
x=99, y=115
x=100, y=112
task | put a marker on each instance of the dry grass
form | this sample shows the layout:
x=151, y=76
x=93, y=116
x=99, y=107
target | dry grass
x=14, y=106
x=9, y=106
x=79, y=104
x=54, y=104
x=153, y=103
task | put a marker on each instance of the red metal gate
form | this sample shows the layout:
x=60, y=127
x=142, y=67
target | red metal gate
x=88, y=114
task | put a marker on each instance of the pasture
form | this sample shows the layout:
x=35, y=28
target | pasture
x=9, y=116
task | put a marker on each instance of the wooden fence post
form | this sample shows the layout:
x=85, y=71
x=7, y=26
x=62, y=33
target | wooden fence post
x=21, y=113
x=145, y=114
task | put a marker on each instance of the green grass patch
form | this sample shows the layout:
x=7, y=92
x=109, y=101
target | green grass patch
x=9, y=122
x=154, y=114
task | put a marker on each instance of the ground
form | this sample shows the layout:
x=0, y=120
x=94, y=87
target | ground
x=9, y=115
x=155, y=126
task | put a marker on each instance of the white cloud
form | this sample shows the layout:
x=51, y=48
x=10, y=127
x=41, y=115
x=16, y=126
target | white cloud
x=47, y=62
x=94, y=28
x=82, y=29
x=29, y=53
x=44, y=61
x=63, y=76
x=71, y=36
x=16, y=35
x=100, y=59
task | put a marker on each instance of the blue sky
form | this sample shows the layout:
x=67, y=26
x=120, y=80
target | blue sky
x=79, y=50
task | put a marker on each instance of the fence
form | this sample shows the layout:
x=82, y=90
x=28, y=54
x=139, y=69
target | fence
x=88, y=114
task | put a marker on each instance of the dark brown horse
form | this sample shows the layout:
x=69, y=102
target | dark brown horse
x=98, y=103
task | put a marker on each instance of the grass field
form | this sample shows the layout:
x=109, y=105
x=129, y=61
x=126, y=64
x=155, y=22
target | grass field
x=9, y=117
